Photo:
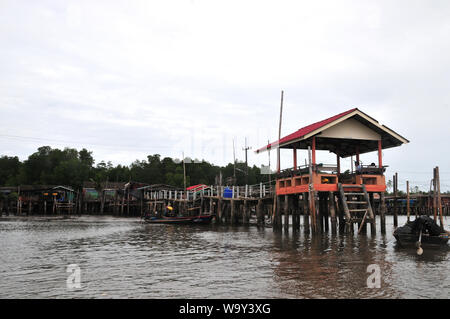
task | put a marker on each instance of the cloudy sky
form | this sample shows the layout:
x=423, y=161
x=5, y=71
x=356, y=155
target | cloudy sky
x=130, y=78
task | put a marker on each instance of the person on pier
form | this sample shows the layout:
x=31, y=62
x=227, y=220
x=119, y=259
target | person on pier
x=358, y=166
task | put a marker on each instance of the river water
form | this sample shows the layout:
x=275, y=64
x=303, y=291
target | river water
x=124, y=258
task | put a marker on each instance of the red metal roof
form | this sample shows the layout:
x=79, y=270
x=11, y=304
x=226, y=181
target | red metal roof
x=197, y=187
x=306, y=130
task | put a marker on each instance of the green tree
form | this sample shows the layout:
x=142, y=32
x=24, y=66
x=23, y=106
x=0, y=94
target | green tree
x=9, y=170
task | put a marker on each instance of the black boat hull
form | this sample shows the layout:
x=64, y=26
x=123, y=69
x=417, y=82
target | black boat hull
x=432, y=234
x=196, y=220
x=427, y=240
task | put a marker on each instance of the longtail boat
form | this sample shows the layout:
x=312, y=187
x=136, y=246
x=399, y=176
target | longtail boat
x=201, y=219
x=424, y=230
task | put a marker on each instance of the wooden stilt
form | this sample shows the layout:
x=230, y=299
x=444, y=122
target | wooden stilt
x=260, y=212
x=439, y=202
x=332, y=210
x=407, y=201
x=296, y=213
x=326, y=212
x=286, y=212
x=277, y=218
x=395, y=199
x=340, y=215
x=372, y=215
x=348, y=218
x=232, y=212
x=305, y=205
x=219, y=210
x=383, y=212
x=128, y=202
x=122, y=205
x=246, y=213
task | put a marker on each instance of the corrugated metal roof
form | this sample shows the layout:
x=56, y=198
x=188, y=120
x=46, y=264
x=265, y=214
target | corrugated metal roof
x=306, y=130
x=197, y=187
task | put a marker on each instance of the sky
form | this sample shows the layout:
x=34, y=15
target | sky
x=126, y=79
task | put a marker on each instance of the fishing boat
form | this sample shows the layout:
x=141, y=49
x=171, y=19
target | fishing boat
x=180, y=220
x=422, y=231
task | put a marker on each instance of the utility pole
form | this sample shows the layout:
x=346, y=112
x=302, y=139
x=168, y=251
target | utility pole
x=270, y=172
x=279, y=134
x=234, y=164
x=246, y=148
x=184, y=172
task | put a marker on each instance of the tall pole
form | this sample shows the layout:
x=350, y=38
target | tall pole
x=434, y=195
x=295, y=158
x=380, y=154
x=439, y=203
x=407, y=200
x=338, y=161
x=234, y=164
x=184, y=172
x=274, y=217
x=270, y=175
x=246, y=148
x=312, y=195
x=351, y=163
x=279, y=133
x=395, y=200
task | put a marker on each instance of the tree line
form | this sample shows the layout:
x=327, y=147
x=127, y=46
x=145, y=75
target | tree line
x=53, y=166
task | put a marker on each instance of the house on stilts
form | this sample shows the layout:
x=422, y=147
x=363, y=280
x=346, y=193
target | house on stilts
x=324, y=189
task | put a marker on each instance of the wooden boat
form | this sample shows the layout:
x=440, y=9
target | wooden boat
x=427, y=239
x=423, y=229
x=201, y=219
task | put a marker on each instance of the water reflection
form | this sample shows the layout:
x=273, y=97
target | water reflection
x=329, y=266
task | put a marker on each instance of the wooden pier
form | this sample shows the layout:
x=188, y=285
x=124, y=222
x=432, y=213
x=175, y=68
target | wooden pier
x=320, y=194
x=234, y=205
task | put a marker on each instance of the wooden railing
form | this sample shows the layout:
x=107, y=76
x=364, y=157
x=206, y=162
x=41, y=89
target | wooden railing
x=261, y=190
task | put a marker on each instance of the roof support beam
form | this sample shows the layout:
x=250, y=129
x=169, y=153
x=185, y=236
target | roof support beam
x=357, y=154
x=295, y=158
x=380, y=155
x=338, y=160
x=314, y=150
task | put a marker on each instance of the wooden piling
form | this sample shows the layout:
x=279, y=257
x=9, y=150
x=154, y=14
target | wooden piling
x=305, y=204
x=286, y=212
x=348, y=218
x=332, y=210
x=232, y=211
x=219, y=210
x=296, y=213
x=439, y=202
x=128, y=202
x=259, y=213
x=407, y=200
x=246, y=212
x=395, y=199
x=383, y=212
x=276, y=222
x=325, y=212
x=372, y=214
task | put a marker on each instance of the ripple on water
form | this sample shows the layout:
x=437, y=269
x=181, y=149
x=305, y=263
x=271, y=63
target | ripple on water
x=123, y=258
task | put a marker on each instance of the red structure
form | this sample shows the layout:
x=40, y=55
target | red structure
x=197, y=187
x=350, y=133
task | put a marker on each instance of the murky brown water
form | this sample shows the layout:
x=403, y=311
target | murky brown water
x=123, y=258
